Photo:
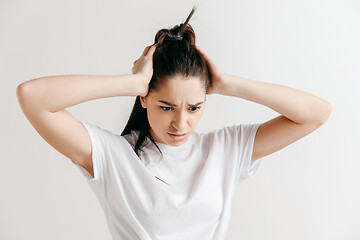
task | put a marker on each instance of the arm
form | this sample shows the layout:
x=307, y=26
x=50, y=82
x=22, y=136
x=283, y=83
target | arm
x=55, y=93
x=298, y=106
x=43, y=101
x=301, y=112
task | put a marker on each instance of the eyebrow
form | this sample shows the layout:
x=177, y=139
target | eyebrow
x=173, y=105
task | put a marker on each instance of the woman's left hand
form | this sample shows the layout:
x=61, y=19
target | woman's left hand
x=218, y=75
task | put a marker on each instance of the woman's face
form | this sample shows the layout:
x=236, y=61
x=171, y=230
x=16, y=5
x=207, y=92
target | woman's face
x=165, y=118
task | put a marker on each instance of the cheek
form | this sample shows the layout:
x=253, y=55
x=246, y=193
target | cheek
x=199, y=114
x=197, y=119
x=157, y=118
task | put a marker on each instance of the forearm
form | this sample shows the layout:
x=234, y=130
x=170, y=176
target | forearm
x=298, y=106
x=54, y=93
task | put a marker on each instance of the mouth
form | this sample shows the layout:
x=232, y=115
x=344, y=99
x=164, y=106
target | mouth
x=177, y=137
x=175, y=134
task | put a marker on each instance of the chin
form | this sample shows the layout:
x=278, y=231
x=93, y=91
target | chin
x=176, y=144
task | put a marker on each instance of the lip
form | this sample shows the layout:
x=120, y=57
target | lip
x=177, y=137
x=177, y=134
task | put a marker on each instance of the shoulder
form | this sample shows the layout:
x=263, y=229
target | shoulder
x=221, y=133
x=105, y=138
x=235, y=132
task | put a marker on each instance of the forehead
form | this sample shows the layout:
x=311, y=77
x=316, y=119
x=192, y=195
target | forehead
x=178, y=89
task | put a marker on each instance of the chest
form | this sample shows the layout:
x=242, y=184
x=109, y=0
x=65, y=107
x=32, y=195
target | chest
x=163, y=194
x=181, y=207
x=184, y=190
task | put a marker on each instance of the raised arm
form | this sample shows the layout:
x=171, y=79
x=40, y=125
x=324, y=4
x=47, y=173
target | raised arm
x=300, y=112
x=43, y=101
x=55, y=93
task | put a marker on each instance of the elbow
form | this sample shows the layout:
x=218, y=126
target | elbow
x=325, y=113
x=22, y=90
x=25, y=88
x=25, y=94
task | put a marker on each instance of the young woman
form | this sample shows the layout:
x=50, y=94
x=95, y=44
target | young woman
x=160, y=179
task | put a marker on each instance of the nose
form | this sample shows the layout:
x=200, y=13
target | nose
x=180, y=121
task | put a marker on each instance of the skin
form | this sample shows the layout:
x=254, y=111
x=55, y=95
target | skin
x=164, y=118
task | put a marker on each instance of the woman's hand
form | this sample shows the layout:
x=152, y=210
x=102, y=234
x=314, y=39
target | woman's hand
x=218, y=75
x=143, y=67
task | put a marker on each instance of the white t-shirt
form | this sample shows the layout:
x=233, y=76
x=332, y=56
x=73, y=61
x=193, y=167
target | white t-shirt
x=186, y=194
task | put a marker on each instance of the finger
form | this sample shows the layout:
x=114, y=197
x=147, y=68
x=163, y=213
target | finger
x=209, y=60
x=151, y=50
x=145, y=51
x=200, y=51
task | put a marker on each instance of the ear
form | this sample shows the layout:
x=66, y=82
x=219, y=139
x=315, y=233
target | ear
x=143, y=102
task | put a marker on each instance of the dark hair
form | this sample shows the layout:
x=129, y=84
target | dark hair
x=175, y=54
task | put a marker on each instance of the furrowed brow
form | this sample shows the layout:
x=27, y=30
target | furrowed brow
x=173, y=105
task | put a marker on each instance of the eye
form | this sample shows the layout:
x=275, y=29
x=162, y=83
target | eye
x=165, y=109
x=196, y=108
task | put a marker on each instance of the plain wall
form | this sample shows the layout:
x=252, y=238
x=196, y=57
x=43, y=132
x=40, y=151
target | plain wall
x=308, y=190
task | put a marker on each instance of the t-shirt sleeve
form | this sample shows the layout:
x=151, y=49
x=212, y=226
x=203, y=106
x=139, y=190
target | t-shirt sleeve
x=248, y=168
x=237, y=145
x=100, y=142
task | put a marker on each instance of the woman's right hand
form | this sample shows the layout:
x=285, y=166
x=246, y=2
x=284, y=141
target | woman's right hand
x=143, y=67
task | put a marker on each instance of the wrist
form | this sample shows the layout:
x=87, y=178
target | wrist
x=224, y=84
x=142, y=83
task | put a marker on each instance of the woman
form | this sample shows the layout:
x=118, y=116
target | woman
x=160, y=179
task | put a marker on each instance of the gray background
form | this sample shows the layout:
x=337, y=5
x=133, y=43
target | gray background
x=308, y=190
